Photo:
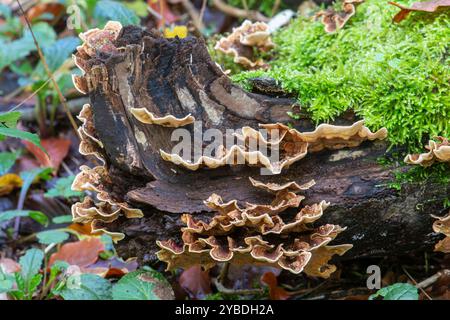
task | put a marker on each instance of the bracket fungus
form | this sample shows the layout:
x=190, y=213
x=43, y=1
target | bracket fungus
x=242, y=42
x=334, y=20
x=442, y=225
x=136, y=73
x=291, y=144
x=437, y=151
x=257, y=234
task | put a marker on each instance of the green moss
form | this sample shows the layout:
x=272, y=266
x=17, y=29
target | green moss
x=392, y=75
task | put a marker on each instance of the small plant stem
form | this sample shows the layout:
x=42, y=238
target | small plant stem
x=49, y=72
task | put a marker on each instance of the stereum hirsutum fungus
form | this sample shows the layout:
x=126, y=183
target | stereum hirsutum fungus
x=333, y=20
x=258, y=234
x=242, y=42
x=437, y=152
x=442, y=225
x=291, y=144
x=135, y=108
x=105, y=209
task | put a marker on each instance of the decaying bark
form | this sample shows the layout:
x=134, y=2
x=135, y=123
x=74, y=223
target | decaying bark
x=177, y=77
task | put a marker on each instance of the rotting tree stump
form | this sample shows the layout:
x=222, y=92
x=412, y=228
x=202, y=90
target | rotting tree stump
x=139, y=69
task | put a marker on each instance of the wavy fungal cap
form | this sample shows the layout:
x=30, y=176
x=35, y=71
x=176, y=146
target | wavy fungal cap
x=241, y=42
x=442, y=225
x=256, y=234
x=291, y=144
x=438, y=151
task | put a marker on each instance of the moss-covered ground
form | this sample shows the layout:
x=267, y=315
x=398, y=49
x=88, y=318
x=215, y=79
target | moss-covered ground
x=393, y=75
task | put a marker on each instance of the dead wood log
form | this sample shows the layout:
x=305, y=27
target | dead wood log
x=140, y=69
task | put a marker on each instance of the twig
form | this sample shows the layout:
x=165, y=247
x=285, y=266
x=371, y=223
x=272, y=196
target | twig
x=415, y=283
x=222, y=289
x=429, y=281
x=49, y=73
x=29, y=97
x=193, y=13
x=276, y=6
x=239, y=13
x=202, y=10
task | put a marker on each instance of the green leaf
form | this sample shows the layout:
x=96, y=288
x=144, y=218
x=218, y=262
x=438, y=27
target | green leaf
x=6, y=285
x=5, y=11
x=112, y=10
x=86, y=287
x=30, y=265
x=52, y=236
x=9, y=119
x=142, y=285
x=23, y=135
x=35, y=215
x=44, y=33
x=7, y=160
x=62, y=219
x=63, y=188
x=8, y=122
x=397, y=291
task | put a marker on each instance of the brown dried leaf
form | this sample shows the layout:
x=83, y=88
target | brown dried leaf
x=82, y=253
x=275, y=292
x=427, y=6
x=195, y=282
x=57, y=149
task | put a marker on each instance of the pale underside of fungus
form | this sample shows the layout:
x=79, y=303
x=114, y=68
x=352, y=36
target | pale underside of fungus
x=334, y=20
x=243, y=40
x=258, y=234
x=437, y=152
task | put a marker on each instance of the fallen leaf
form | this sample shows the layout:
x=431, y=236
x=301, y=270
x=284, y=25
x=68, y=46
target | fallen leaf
x=46, y=11
x=275, y=292
x=82, y=253
x=8, y=182
x=9, y=265
x=428, y=6
x=195, y=282
x=57, y=149
x=112, y=268
x=162, y=8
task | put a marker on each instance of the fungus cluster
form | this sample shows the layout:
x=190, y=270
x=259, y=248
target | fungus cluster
x=258, y=234
x=437, y=151
x=242, y=42
x=334, y=20
x=442, y=225
x=291, y=144
x=105, y=208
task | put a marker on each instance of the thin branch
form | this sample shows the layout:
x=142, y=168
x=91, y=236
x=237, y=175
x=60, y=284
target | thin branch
x=239, y=13
x=31, y=95
x=49, y=73
x=416, y=284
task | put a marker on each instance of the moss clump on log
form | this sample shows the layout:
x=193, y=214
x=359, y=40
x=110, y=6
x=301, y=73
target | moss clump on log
x=392, y=75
